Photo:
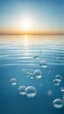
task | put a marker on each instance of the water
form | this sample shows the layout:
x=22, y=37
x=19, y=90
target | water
x=21, y=55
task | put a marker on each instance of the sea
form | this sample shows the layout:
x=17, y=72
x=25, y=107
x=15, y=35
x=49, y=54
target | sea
x=31, y=74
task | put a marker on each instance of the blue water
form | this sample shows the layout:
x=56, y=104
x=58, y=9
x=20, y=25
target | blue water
x=16, y=58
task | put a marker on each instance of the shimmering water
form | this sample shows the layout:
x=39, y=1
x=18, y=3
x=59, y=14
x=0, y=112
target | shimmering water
x=28, y=67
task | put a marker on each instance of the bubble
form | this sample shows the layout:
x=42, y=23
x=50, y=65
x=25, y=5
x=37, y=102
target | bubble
x=31, y=76
x=43, y=64
x=30, y=91
x=28, y=74
x=36, y=57
x=49, y=92
x=21, y=90
x=58, y=103
x=41, y=85
x=56, y=82
x=63, y=97
x=37, y=74
x=62, y=89
x=49, y=71
x=13, y=81
x=58, y=77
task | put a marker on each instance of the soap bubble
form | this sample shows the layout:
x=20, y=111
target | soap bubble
x=36, y=57
x=30, y=91
x=43, y=64
x=38, y=74
x=49, y=92
x=56, y=82
x=58, y=77
x=21, y=90
x=62, y=89
x=30, y=75
x=13, y=81
x=58, y=103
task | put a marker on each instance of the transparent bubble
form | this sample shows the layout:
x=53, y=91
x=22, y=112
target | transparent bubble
x=43, y=64
x=49, y=92
x=63, y=97
x=28, y=74
x=49, y=71
x=30, y=91
x=62, y=89
x=58, y=103
x=38, y=74
x=56, y=82
x=21, y=90
x=58, y=77
x=13, y=81
x=36, y=57
x=41, y=85
x=31, y=76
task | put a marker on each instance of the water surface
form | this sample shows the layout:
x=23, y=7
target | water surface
x=22, y=54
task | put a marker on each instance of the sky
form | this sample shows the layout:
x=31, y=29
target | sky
x=32, y=15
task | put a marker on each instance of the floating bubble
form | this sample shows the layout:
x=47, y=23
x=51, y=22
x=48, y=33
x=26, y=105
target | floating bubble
x=30, y=91
x=56, y=82
x=28, y=74
x=58, y=77
x=21, y=90
x=41, y=85
x=49, y=71
x=49, y=92
x=43, y=64
x=36, y=57
x=62, y=89
x=38, y=74
x=31, y=76
x=58, y=103
x=63, y=97
x=13, y=81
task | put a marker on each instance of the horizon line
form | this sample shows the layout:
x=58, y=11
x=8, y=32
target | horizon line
x=14, y=32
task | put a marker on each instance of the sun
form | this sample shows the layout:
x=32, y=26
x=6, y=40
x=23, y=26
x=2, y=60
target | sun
x=27, y=24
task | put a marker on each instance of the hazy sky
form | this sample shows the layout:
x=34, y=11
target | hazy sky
x=41, y=14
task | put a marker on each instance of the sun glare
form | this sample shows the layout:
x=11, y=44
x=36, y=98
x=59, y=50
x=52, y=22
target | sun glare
x=27, y=24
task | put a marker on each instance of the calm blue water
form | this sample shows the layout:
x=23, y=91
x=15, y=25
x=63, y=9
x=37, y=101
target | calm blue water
x=16, y=59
